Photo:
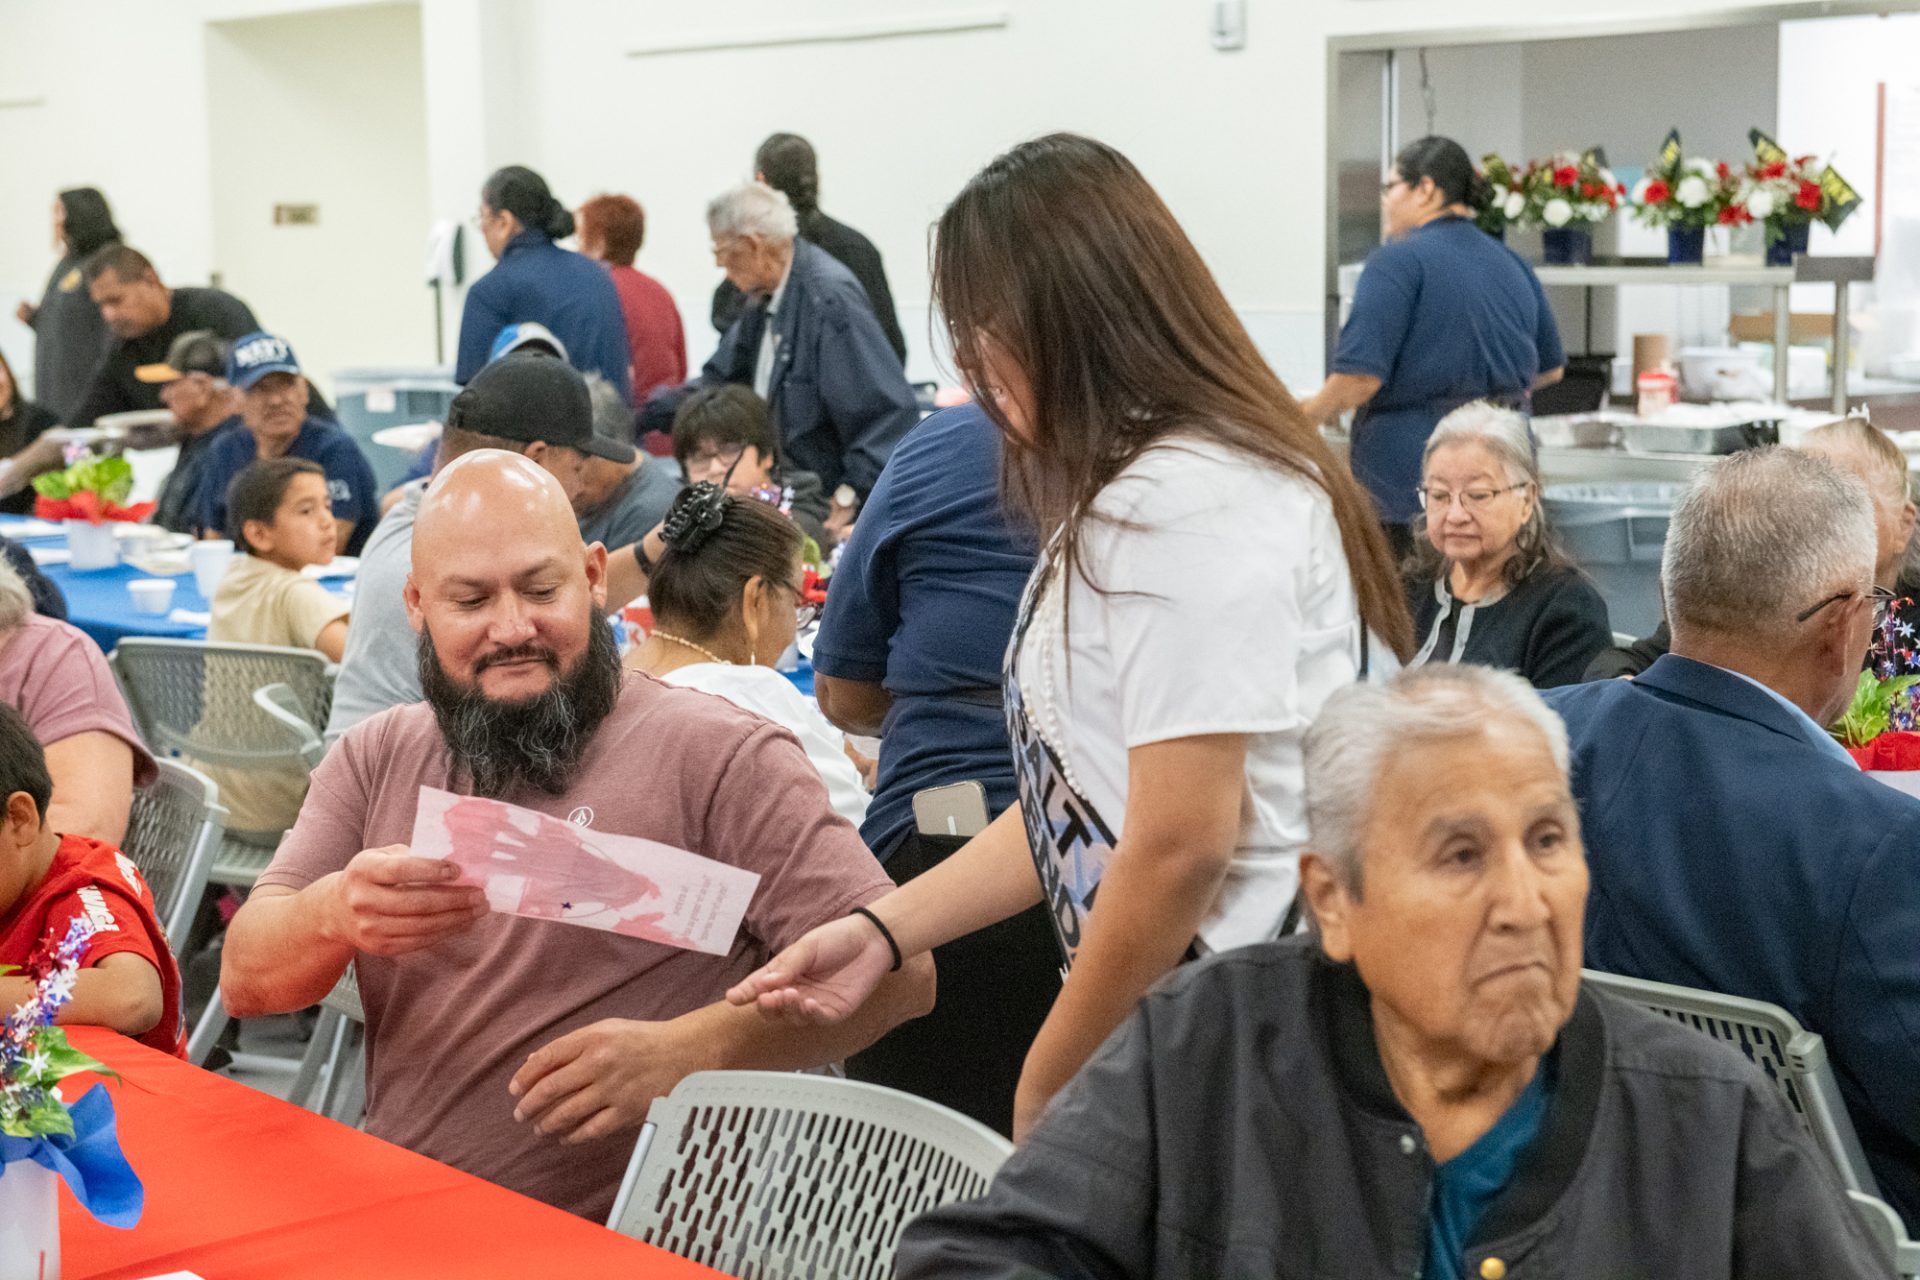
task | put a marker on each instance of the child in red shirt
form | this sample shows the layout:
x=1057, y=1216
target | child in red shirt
x=128, y=980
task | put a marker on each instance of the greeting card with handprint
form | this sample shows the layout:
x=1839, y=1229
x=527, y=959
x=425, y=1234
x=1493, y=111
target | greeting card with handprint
x=536, y=865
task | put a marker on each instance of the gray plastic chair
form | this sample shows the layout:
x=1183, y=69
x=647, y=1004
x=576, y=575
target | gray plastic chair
x=234, y=706
x=332, y=1076
x=1886, y=1227
x=767, y=1175
x=1794, y=1058
x=172, y=834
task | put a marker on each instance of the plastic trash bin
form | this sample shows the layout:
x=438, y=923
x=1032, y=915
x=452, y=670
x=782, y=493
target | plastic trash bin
x=1617, y=532
x=369, y=400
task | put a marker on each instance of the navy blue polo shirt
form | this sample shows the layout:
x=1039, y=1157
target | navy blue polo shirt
x=923, y=604
x=349, y=476
x=1443, y=315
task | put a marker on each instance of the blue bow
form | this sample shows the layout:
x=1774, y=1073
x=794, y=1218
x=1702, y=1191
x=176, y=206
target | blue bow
x=90, y=1162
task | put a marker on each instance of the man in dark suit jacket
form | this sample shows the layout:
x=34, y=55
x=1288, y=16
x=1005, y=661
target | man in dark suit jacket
x=1736, y=847
x=808, y=344
x=786, y=163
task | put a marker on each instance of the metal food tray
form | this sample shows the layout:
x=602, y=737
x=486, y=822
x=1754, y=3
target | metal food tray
x=1649, y=437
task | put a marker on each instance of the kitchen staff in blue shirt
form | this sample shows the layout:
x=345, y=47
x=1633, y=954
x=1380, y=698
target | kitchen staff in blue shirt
x=535, y=279
x=1444, y=314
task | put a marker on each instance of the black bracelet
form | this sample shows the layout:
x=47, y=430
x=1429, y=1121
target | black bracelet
x=885, y=933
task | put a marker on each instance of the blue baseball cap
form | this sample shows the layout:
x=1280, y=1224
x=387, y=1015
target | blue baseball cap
x=257, y=355
x=528, y=335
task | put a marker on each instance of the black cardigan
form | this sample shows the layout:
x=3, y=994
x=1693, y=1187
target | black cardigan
x=1547, y=629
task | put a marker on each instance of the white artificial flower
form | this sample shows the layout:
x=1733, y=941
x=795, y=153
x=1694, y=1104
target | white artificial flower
x=1558, y=213
x=1693, y=191
x=1705, y=168
x=1499, y=194
x=1760, y=204
x=1514, y=205
x=1640, y=190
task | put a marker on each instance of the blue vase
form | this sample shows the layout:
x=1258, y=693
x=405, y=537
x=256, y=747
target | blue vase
x=1686, y=246
x=1790, y=242
x=1567, y=246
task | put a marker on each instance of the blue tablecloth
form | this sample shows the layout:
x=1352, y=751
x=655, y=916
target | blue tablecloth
x=99, y=603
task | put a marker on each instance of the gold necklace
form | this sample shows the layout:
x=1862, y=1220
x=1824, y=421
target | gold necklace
x=697, y=648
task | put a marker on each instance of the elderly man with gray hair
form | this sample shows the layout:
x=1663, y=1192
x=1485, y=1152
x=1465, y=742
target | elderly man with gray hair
x=808, y=344
x=1734, y=845
x=1424, y=1088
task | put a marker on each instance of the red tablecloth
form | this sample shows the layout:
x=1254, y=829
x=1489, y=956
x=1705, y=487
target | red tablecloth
x=241, y=1185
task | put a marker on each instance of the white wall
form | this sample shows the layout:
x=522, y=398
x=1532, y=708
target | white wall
x=324, y=109
x=1236, y=142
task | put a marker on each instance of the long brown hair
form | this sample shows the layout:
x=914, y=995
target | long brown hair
x=1066, y=256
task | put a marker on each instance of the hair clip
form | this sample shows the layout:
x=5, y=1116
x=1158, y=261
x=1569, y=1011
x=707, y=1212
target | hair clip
x=696, y=516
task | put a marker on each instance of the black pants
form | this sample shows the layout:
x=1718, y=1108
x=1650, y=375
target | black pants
x=995, y=988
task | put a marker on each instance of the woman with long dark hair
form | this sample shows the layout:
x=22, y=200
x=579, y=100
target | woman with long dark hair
x=70, y=338
x=1444, y=314
x=1210, y=573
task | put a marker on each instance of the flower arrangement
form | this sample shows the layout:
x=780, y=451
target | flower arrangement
x=1570, y=190
x=1791, y=193
x=38, y=1127
x=1783, y=193
x=1690, y=193
x=92, y=489
x=1507, y=204
x=1881, y=726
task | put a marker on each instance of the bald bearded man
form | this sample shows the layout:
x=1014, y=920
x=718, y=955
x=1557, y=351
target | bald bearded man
x=527, y=1051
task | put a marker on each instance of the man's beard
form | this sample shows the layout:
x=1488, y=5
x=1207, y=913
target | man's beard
x=530, y=742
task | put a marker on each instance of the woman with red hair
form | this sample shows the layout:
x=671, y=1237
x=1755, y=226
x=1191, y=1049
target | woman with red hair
x=611, y=230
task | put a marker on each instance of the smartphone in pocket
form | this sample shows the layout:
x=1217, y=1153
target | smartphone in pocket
x=957, y=809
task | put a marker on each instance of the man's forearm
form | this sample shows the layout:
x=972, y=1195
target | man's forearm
x=278, y=956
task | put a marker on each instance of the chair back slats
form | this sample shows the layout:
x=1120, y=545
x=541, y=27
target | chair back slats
x=172, y=832
x=1790, y=1056
x=196, y=699
x=770, y=1175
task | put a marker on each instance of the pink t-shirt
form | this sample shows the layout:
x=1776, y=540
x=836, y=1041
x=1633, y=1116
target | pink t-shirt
x=447, y=1027
x=57, y=678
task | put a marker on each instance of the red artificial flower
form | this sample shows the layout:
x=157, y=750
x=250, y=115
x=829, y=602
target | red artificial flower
x=89, y=506
x=1778, y=169
x=1808, y=197
x=1590, y=190
x=1734, y=214
x=813, y=587
x=1723, y=170
x=1893, y=752
x=1658, y=192
x=1565, y=176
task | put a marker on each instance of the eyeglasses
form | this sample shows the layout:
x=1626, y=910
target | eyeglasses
x=1388, y=186
x=1469, y=499
x=805, y=612
x=706, y=459
x=1881, y=597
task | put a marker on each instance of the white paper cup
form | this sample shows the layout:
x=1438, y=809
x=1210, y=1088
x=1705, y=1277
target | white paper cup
x=152, y=595
x=210, y=560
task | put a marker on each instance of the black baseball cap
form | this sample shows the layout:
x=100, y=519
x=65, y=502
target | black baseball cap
x=195, y=351
x=527, y=397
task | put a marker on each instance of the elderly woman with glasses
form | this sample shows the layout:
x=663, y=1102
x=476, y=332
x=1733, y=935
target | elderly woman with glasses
x=1487, y=583
x=1425, y=1087
x=728, y=596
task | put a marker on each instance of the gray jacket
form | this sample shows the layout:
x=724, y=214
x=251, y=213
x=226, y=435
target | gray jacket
x=1241, y=1124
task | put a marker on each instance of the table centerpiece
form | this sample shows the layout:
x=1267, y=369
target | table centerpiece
x=89, y=497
